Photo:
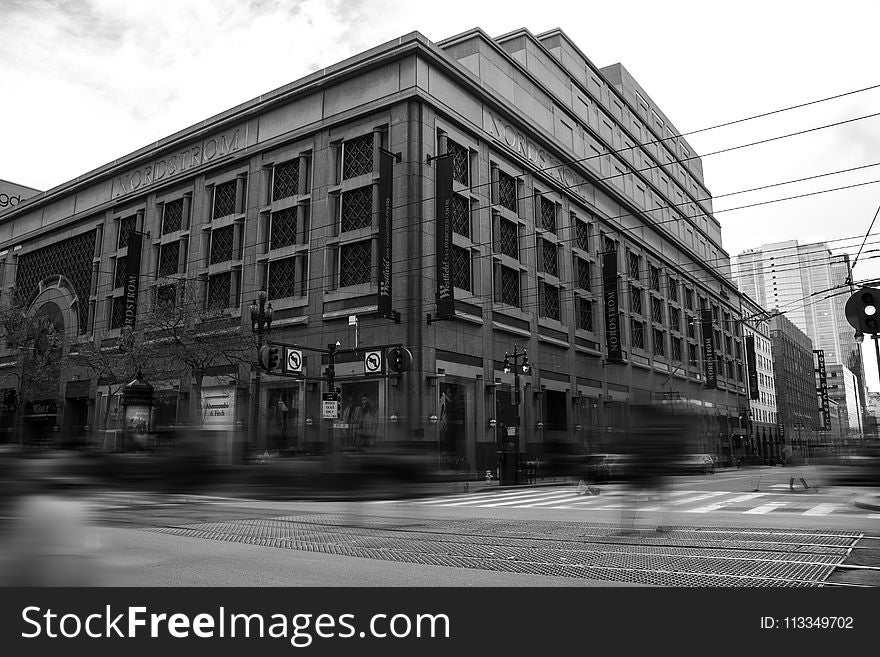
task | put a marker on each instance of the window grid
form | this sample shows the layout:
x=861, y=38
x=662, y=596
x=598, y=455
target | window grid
x=548, y=215
x=355, y=263
x=357, y=209
x=117, y=313
x=461, y=268
x=121, y=271
x=675, y=348
x=674, y=318
x=673, y=290
x=126, y=225
x=224, y=199
x=692, y=354
x=461, y=215
x=221, y=244
x=285, y=180
x=166, y=296
x=510, y=239
x=583, y=273
x=172, y=216
x=637, y=329
x=551, y=260
x=357, y=157
x=168, y=257
x=691, y=326
x=585, y=314
x=659, y=342
x=507, y=191
x=635, y=299
x=551, y=301
x=460, y=162
x=282, y=278
x=655, y=278
x=219, y=289
x=688, y=299
x=510, y=287
x=582, y=233
x=656, y=310
x=634, y=265
x=283, y=232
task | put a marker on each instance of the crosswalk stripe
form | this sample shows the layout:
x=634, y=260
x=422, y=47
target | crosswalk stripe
x=821, y=510
x=766, y=508
x=532, y=498
x=718, y=505
x=564, y=499
x=697, y=498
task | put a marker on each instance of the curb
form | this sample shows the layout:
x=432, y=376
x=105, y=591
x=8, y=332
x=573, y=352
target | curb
x=871, y=503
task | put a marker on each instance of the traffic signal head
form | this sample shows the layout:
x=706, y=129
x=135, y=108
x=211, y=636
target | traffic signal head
x=270, y=357
x=863, y=311
x=399, y=359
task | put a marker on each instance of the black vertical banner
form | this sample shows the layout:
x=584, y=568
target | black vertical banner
x=443, y=193
x=822, y=388
x=752, y=360
x=386, y=164
x=132, y=277
x=612, y=306
x=708, y=335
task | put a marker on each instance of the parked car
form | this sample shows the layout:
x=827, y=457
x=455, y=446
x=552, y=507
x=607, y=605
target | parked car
x=694, y=464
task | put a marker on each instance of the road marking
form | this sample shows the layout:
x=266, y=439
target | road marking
x=719, y=505
x=697, y=498
x=766, y=508
x=532, y=498
x=564, y=499
x=821, y=510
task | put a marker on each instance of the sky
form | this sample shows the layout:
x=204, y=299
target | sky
x=87, y=81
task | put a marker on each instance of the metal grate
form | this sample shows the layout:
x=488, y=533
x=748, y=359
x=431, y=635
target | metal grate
x=682, y=556
x=460, y=162
x=121, y=271
x=548, y=215
x=283, y=232
x=551, y=301
x=357, y=156
x=509, y=239
x=461, y=215
x=282, y=278
x=285, y=180
x=551, y=260
x=224, y=199
x=219, y=291
x=222, y=240
x=510, y=286
x=582, y=235
x=585, y=314
x=461, y=268
x=126, y=225
x=355, y=263
x=172, y=216
x=168, y=257
x=357, y=209
x=583, y=274
x=117, y=312
x=507, y=191
x=71, y=258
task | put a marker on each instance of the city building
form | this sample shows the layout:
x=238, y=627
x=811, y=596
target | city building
x=764, y=437
x=797, y=402
x=11, y=194
x=539, y=206
x=809, y=284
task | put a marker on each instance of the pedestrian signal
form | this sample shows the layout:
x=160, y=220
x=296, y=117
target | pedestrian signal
x=399, y=359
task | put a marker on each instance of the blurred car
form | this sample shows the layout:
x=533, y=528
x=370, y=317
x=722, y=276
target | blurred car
x=689, y=464
x=604, y=468
x=861, y=468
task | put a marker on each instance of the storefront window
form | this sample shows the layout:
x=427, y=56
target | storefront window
x=359, y=415
x=452, y=425
x=282, y=416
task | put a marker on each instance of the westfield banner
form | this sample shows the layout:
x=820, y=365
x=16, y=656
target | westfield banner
x=443, y=193
x=386, y=165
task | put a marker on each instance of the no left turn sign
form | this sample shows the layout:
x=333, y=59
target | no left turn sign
x=293, y=362
x=373, y=362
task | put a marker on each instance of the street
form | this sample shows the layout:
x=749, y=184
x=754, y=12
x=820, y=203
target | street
x=740, y=528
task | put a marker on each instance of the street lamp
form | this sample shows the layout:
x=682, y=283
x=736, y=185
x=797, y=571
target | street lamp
x=261, y=323
x=520, y=361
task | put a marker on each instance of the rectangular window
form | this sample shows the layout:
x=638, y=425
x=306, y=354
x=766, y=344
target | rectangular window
x=507, y=191
x=582, y=231
x=688, y=298
x=509, y=239
x=460, y=162
x=637, y=330
x=285, y=180
x=224, y=199
x=172, y=216
x=674, y=318
x=548, y=215
x=675, y=347
x=357, y=209
x=117, y=312
x=357, y=156
x=126, y=225
x=634, y=265
x=583, y=274
x=282, y=229
x=693, y=360
x=219, y=290
x=673, y=289
x=635, y=299
x=221, y=244
x=119, y=277
x=691, y=326
x=659, y=342
x=510, y=286
x=168, y=257
x=585, y=314
x=282, y=278
x=355, y=263
x=555, y=415
x=551, y=301
x=656, y=310
x=166, y=297
x=551, y=262
x=461, y=215
x=461, y=268
x=655, y=278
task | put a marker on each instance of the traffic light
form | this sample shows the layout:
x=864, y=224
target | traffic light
x=270, y=357
x=399, y=359
x=863, y=311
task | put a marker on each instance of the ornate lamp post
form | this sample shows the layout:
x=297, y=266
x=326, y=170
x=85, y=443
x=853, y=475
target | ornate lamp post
x=520, y=361
x=261, y=323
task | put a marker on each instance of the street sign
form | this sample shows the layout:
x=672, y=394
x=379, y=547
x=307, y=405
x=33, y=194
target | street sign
x=329, y=405
x=373, y=362
x=293, y=360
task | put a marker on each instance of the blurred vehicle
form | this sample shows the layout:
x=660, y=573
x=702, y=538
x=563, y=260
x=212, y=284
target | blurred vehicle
x=689, y=464
x=861, y=468
x=606, y=468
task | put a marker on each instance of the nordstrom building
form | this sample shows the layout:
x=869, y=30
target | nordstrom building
x=467, y=199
